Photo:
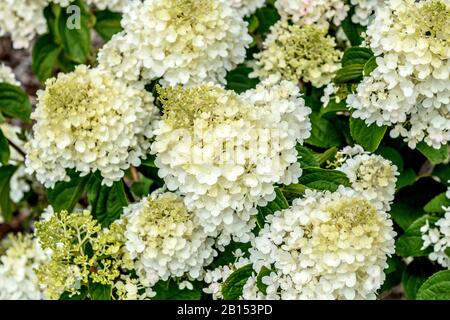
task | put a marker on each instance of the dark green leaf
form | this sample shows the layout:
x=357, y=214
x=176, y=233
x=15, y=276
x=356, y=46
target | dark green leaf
x=324, y=133
x=259, y=283
x=169, y=290
x=65, y=195
x=415, y=274
x=393, y=273
x=279, y=203
x=323, y=179
x=239, y=80
x=436, y=205
x=329, y=154
x=14, y=102
x=6, y=172
x=349, y=74
x=45, y=57
x=436, y=156
x=107, y=202
x=142, y=187
x=352, y=31
x=227, y=256
x=99, y=291
x=393, y=155
x=404, y=214
x=442, y=171
x=369, y=137
x=369, y=66
x=5, y=153
x=437, y=287
x=233, y=286
x=267, y=17
x=406, y=178
x=306, y=157
x=356, y=55
x=83, y=291
x=107, y=24
x=333, y=107
x=410, y=243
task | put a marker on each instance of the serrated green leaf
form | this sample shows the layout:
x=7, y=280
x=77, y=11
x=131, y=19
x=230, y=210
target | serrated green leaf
x=437, y=287
x=98, y=291
x=6, y=172
x=352, y=73
x=356, y=55
x=437, y=203
x=323, y=179
x=369, y=137
x=45, y=57
x=233, y=286
x=352, y=31
x=306, y=157
x=410, y=243
x=324, y=134
x=14, y=102
x=107, y=202
x=370, y=66
x=65, y=195
x=5, y=152
x=107, y=24
x=404, y=214
x=436, y=156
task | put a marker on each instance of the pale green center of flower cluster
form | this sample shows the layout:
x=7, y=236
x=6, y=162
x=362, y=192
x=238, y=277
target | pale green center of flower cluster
x=375, y=173
x=347, y=214
x=160, y=218
x=16, y=246
x=432, y=20
x=188, y=11
x=78, y=243
x=183, y=106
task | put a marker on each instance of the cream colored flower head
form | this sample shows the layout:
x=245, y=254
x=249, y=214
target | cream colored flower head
x=326, y=246
x=370, y=174
x=164, y=240
x=296, y=53
x=409, y=89
x=7, y=75
x=87, y=121
x=225, y=152
x=180, y=41
x=246, y=7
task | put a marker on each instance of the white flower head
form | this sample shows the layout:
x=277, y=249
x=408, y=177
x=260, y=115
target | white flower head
x=88, y=121
x=246, y=7
x=7, y=75
x=326, y=246
x=164, y=241
x=437, y=237
x=180, y=41
x=225, y=152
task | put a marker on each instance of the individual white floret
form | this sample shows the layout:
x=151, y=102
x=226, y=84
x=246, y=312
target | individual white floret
x=438, y=237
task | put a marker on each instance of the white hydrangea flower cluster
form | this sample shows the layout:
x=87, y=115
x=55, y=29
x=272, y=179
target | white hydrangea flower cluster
x=438, y=237
x=225, y=152
x=17, y=278
x=410, y=87
x=7, y=75
x=163, y=239
x=308, y=12
x=88, y=121
x=216, y=278
x=370, y=174
x=129, y=288
x=326, y=246
x=316, y=60
x=364, y=10
x=247, y=7
x=180, y=41
x=23, y=20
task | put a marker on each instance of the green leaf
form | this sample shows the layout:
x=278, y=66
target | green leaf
x=99, y=291
x=83, y=291
x=107, y=24
x=370, y=66
x=356, y=55
x=333, y=107
x=306, y=157
x=142, y=187
x=169, y=290
x=267, y=17
x=239, y=80
x=107, y=202
x=227, y=256
x=329, y=154
x=369, y=137
x=393, y=273
x=442, y=171
x=437, y=203
x=5, y=153
x=410, y=243
x=52, y=13
x=415, y=274
x=279, y=203
x=349, y=74
x=352, y=31
x=323, y=179
x=75, y=41
x=6, y=172
x=233, y=286
x=407, y=178
x=437, y=287
x=14, y=102
x=436, y=156
x=404, y=214
x=324, y=134
x=259, y=283
x=65, y=195
x=45, y=57
x=393, y=155
x=253, y=24
x=293, y=191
